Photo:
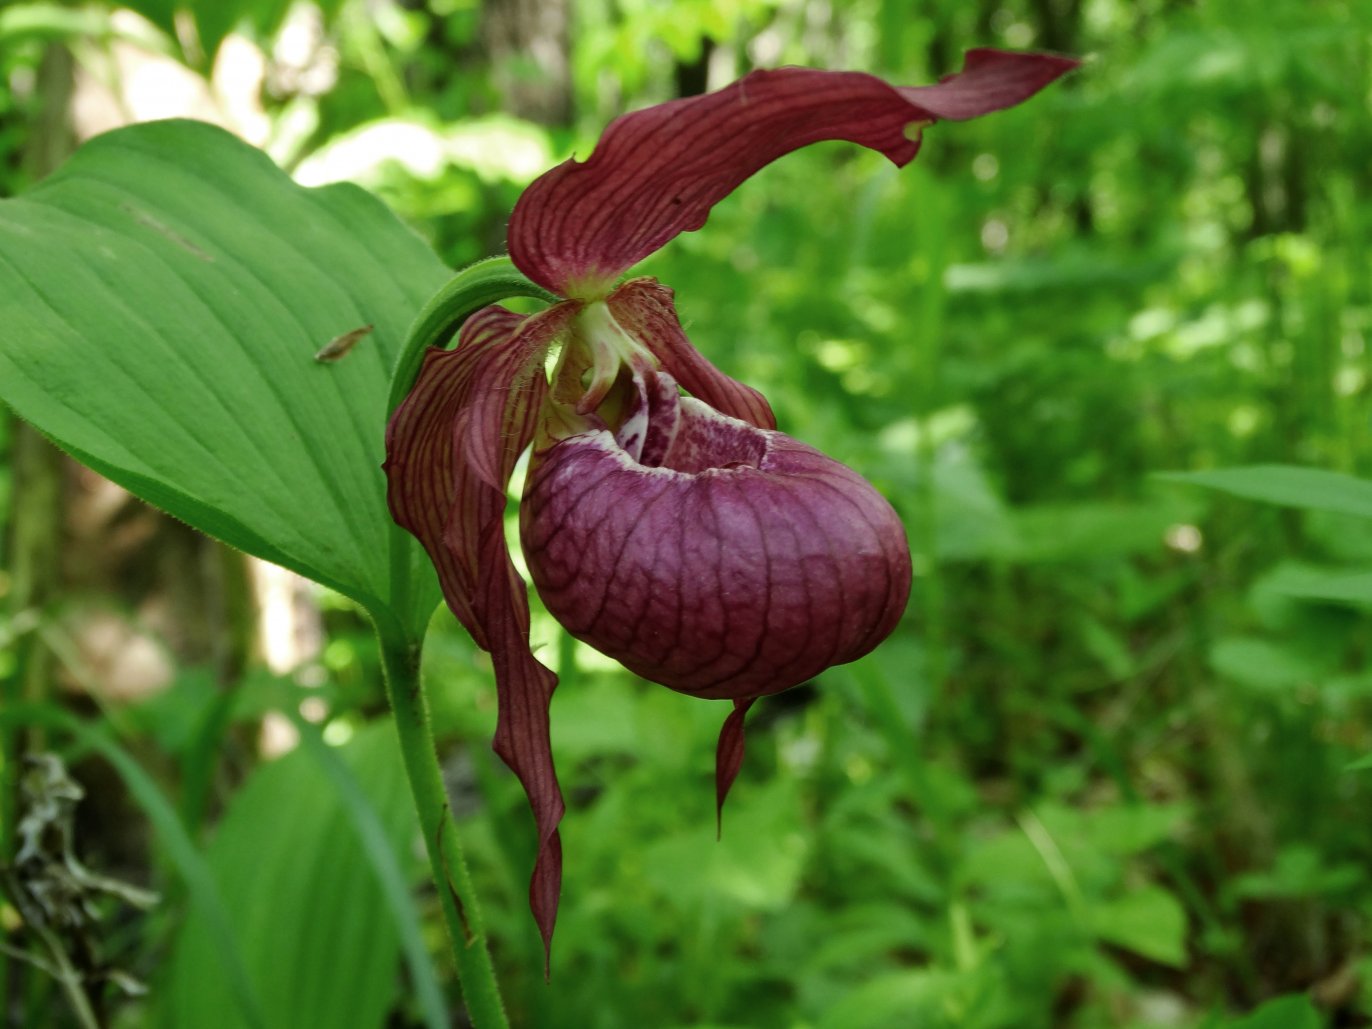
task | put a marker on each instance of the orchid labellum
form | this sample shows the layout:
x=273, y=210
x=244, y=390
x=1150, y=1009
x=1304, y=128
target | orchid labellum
x=665, y=520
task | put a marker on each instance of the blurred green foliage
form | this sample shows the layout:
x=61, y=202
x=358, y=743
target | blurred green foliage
x=1100, y=776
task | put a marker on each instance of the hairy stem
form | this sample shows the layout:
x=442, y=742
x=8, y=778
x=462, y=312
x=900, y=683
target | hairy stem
x=461, y=913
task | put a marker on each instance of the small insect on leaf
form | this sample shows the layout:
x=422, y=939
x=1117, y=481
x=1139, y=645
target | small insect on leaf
x=338, y=347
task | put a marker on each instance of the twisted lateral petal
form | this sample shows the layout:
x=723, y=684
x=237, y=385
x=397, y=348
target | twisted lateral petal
x=657, y=172
x=644, y=308
x=426, y=481
x=450, y=450
x=440, y=479
x=745, y=564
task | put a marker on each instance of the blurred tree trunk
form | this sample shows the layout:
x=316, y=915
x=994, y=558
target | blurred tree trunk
x=529, y=43
x=31, y=554
x=31, y=544
x=31, y=547
x=693, y=77
x=1058, y=23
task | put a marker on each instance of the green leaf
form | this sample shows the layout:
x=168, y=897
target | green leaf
x=1077, y=532
x=923, y=998
x=1311, y=489
x=1348, y=588
x=307, y=910
x=50, y=21
x=1149, y=921
x=1291, y=1012
x=1300, y=871
x=757, y=867
x=381, y=853
x=163, y=296
x=1262, y=664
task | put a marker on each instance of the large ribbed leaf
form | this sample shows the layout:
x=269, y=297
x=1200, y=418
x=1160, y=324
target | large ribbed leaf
x=308, y=912
x=162, y=299
x=1312, y=489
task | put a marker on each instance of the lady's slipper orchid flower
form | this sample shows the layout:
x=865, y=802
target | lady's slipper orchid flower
x=682, y=535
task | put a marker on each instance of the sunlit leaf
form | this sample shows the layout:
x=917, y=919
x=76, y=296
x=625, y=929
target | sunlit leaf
x=758, y=866
x=162, y=298
x=1311, y=489
x=1295, y=1011
x=897, y=998
x=1261, y=664
x=1076, y=532
x=1353, y=588
x=1149, y=921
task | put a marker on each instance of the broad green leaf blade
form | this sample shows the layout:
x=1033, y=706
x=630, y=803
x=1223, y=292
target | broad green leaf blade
x=51, y=21
x=1149, y=921
x=1347, y=588
x=381, y=854
x=1312, y=489
x=1294, y=1011
x=906, y=997
x=307, y=911
x=1263, y=664
x=162, y=297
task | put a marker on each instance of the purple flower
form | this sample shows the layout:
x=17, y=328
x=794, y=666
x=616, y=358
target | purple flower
x=683, y=536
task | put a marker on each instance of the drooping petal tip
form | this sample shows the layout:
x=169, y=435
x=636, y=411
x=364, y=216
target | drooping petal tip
x=729, y=758
x=450, y=450
x=657, y=172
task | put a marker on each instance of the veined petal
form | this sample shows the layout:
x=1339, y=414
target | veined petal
x=990, y=80
x=450, y=450
x=525, y=689
x=456, y=436
x=506, y=392
x=427, y=478
x=657, y=172
x=644, y=308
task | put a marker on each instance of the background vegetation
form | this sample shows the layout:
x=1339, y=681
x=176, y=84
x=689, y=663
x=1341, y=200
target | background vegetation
x=1106, y=772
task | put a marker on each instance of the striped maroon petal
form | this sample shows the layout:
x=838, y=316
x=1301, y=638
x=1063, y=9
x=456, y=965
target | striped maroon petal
x=657, y=172
x=425, y=481
x=450, y=450
x=645, y=309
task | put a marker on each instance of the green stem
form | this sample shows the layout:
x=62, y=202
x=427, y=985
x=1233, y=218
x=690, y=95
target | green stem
x=456, y=896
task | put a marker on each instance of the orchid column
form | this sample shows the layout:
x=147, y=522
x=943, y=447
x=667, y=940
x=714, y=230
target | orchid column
x=682, y=535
